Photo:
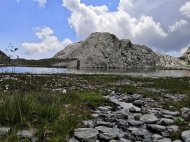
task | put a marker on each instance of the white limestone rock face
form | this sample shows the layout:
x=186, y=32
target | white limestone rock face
x=186, y=56
x=105, y=50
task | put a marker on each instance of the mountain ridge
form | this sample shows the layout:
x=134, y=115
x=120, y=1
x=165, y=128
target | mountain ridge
x=105, y=50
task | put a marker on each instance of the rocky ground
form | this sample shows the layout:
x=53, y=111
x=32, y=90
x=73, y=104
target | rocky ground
x=100, y=108
x=136, y=118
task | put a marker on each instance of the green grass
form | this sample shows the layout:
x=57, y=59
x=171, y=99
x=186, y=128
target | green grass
x=30, y=102
x=53, y=113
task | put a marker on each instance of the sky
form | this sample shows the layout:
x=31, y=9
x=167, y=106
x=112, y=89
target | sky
x=41, y=28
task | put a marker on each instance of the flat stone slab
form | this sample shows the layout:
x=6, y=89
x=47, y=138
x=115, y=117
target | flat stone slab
x=109, y=132
x=155, y=127
x=149, y=118
x=173, y=113
x=86, y=134
x=164, y=140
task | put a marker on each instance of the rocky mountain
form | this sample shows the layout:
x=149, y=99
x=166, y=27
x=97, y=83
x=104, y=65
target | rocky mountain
x=186, y=56
x=3, y=58
x=105, y=50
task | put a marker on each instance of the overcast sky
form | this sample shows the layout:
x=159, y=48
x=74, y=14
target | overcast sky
x=40, y=28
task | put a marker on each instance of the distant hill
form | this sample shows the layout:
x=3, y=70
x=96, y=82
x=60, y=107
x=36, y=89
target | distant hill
x=186, y=56
x=3, y=58
x=105, y=50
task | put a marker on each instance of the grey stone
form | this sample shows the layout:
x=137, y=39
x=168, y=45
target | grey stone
x=95, y=115
x=104, y=108
x=185, y=113
x=165, y=133
x=172, y=128
x=105, y=137
x=4, y=130
x=134, y=122
x=124, y=140
x=177, y=141
x=155, y=127
x=166, y=121
x=26, y=133
x=114, y=141
x=102, y=123
x=132, y=97
x=110, y=132
x=186, y=136
x=139, y=103
x=86, y=134
x=149, y=118
x=173, y=113
x=89, y=123
x=164, y=140
x=156, y=137
x=168, y=116
x=73, y=140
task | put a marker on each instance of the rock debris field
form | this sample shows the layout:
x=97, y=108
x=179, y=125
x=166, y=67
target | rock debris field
x=134, y=120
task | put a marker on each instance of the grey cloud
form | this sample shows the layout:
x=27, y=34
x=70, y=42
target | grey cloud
x=146, y=22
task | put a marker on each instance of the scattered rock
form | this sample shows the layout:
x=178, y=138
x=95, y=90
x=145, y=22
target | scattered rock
x=129, y=121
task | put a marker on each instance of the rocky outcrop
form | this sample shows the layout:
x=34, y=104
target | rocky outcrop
x=3, y=58
x=186, y=56
x=105, y=50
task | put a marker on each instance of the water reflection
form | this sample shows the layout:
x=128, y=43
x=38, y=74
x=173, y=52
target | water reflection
x=45, y=70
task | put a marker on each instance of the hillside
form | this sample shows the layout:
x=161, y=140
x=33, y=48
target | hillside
x=105, y=50
x=3, y=58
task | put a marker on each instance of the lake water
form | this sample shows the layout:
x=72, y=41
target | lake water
x=45, y=70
